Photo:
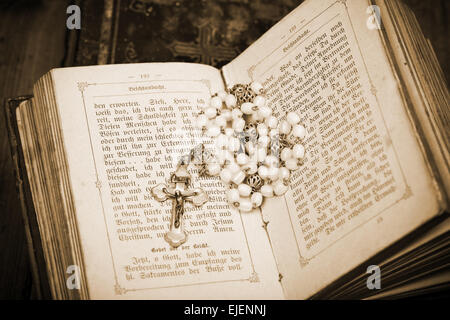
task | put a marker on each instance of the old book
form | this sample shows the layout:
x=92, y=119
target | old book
x=373, y=189
x=134, y=31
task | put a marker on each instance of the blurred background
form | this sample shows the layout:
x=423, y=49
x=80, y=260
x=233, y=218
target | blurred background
x=34, y=38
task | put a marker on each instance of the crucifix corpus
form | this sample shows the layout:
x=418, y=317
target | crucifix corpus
x=177, y=190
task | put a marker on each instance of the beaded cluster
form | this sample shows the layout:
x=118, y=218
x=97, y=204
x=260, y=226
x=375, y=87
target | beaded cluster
x=254, y=152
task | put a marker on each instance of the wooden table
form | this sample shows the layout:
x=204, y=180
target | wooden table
x=32, y=41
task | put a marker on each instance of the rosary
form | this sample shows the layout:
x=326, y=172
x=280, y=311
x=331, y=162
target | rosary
x=253, y=154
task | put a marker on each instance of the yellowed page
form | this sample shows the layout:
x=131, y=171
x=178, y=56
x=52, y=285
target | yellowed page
x=408, y=55
x=364, y=183
x=425, y=285
x=123, y=128
x=32, y=165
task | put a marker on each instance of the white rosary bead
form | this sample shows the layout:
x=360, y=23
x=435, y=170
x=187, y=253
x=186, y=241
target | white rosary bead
x=250, y=148
x=255, y=117
x=272, y=122
x=267, y=191
x=242, y=159
x=292, y=118
x=238, y=124
x=285, y=154
x=238, y=177
x=216, y=102
x=233, y=167
x=236, y=113
x=263, y=172
x=251, y=167
x=280, y=188
x=259, y=101
x=226, y=175
x=220, y=121
x=221, y=141
x=213, y=131
x=221, y=156
x=204, y=106
x=263, y=141
x=256, y=87
x=271, y=161
x=233, y=144
x=213, y=169
x=244, y=190
x=226, y=114
x=201, y=121
x=245, y=205
x=273, y=174
x=264, y=112
x=284, y=127
x=261, y=154
x=230, y=101
x=247, y=108
x=274, y=134
x=291, y=164
x=262, y=129
x=222, y=94
x=257, y=199
x=233, y=196
x=210, y=112
x=298, y=151
x=284, y=174
x=229, y=132
x=299, y=131
x=229, y=157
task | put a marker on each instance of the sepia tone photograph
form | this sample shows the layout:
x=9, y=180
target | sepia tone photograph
x=224, y=150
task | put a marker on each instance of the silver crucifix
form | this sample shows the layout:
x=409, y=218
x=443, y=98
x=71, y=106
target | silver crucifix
x=177, y=190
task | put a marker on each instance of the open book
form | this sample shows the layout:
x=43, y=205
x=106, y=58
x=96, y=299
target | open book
x=373, y=188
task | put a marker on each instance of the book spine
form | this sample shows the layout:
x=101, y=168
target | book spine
x=37, y=261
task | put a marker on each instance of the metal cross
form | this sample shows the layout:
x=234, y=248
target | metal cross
x=205, y=50
x=177, y=190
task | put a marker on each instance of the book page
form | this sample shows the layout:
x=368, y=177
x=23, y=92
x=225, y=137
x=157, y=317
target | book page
x=423, y=80
x=124, y=128
x=365, y=182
